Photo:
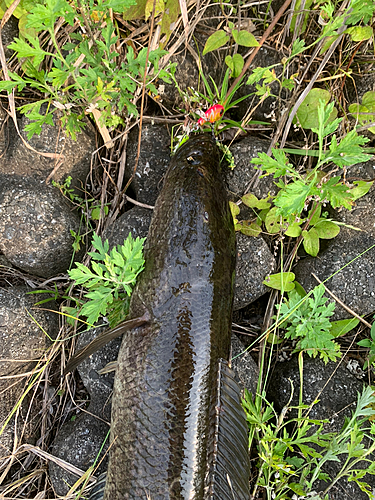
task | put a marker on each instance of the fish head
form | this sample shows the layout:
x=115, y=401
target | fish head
x=201, y=153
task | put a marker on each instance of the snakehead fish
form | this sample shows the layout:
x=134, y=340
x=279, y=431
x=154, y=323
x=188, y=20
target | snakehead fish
x=178, y=430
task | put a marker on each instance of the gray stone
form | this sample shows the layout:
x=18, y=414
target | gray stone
x=35, y=225
x=98, y=386
x=153, y=161
x=254, y=262
x=245, y=172
x=8, y=33
x=337, y=390
x=78, y=443
x=245, y=369
x=136, y=221
x=73, y=156
x=21, y=341
x=354, y=284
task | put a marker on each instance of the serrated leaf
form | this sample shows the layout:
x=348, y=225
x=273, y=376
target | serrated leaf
x=298, y=47
x=311, y=242
x=24, y=49
x=291, y=200
x=349, y=151
x=215, y=41
x=278, y=166
x=343, y=326
x=251, y=229
x=326, y=229
x=336, y=193
x=244, y=38
x=280, y=281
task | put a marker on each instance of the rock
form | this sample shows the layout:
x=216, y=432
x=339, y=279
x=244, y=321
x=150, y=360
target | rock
x=21, y=341
x=153, y=161
x=135, y=221
x=254, y=262
x=74, y=159
x=35, y=225
x=245, y=369
x=245, y=172
x=80, y=442
x=337, y=390
x=8, y=33
x=354, y=284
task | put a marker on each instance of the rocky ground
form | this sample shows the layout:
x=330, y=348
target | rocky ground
x=37, y=227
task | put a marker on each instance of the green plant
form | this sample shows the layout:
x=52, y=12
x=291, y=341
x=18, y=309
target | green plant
x=308, y=323
x=221, y=37
x=370, y=344
x=110, y=281
x=305, y=318
x=315, y=188
x=87, y=73
x=293, y=452
x=365, y=112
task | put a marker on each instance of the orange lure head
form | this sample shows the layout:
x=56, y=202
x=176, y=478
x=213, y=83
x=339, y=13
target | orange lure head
x=212, y=115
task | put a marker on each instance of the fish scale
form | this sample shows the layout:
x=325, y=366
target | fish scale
x=177, y=422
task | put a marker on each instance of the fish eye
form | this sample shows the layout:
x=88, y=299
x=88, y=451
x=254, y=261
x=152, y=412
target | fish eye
x=194, y=158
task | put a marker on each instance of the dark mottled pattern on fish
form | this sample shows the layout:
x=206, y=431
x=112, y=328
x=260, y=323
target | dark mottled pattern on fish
x=168, y=368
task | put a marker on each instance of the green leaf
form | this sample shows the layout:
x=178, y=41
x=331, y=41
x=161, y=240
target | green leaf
x=43, y=17
x=250, y=200
x=250, y=229
x=215, y=41
x=274, y=222
x=360, y=33
x=280, y=281
x=326, y=229
x=278, y=166
x=244, y=38
x=257, y=75
x=24, y=49
x=314, y=214
x=336, y=193
x=234, y=208
x=291, y=200
x=298, y=47
x=343, y=326
x=311, y=241
x=307, y=114
x=235, y=64
x=349, y=151
x=294, y=230
x=362, y=188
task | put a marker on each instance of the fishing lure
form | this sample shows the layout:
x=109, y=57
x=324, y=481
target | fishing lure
x=212, y=115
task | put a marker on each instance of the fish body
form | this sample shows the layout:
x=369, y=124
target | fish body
x=166, y=388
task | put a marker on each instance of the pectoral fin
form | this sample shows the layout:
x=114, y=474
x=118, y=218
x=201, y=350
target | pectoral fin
x=102, y=339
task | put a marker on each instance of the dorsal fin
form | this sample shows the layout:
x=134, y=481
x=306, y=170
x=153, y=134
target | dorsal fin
x=228, y=457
